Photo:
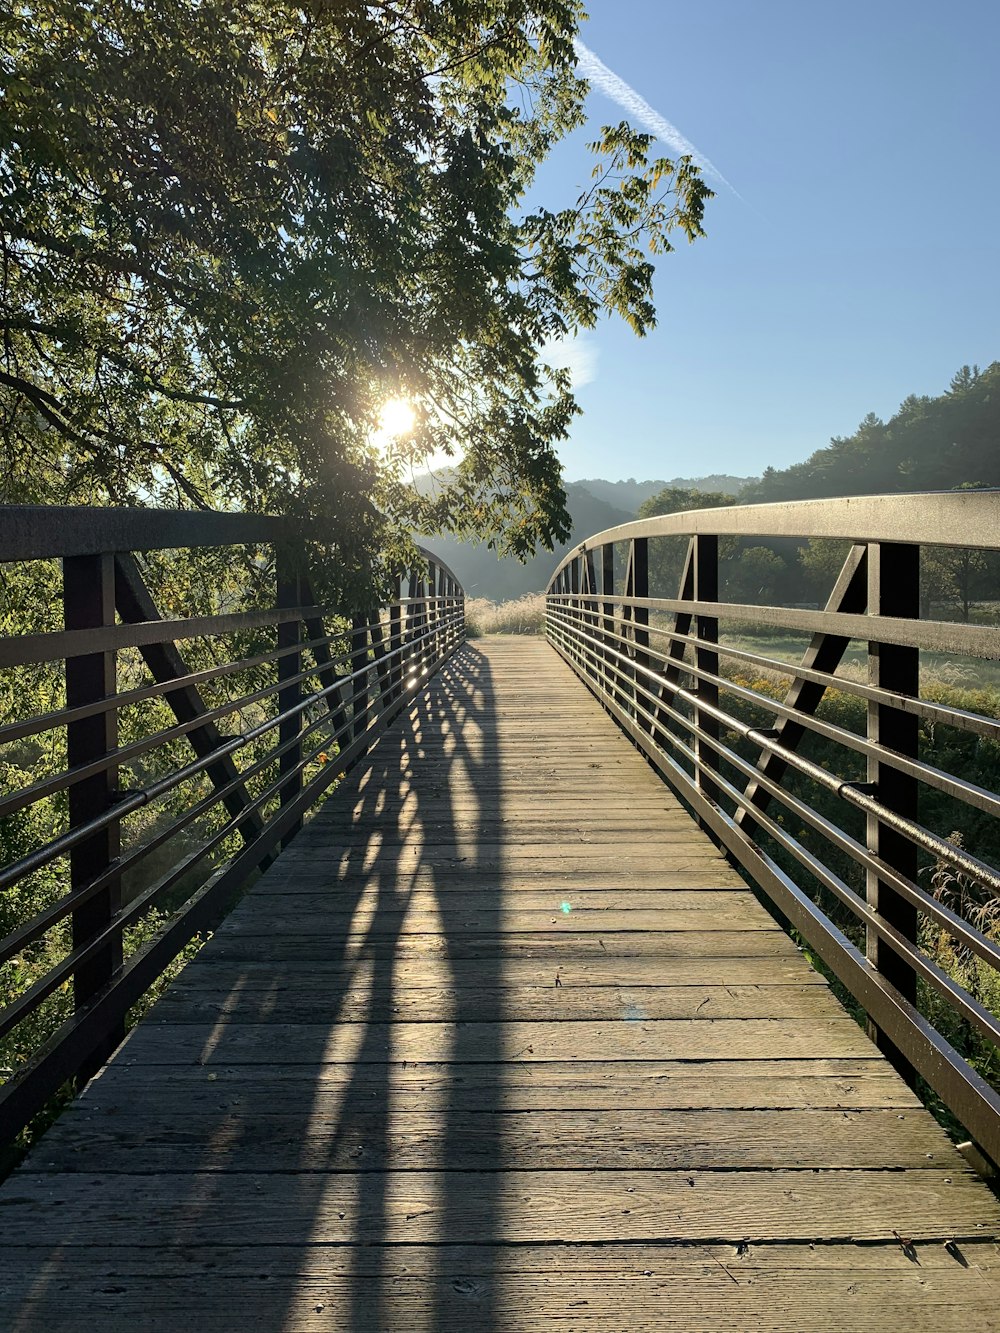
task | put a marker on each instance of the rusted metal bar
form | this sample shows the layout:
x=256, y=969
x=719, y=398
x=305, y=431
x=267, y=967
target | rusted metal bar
x=825, y=653
x=893, y=590
x=706, y=591
x=89, y=603
x=289, y=593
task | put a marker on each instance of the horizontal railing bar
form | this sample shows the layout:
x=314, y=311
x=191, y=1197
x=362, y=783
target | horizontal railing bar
x=930, y=635
x=17, y=650
x=925, y=902
x=975, y=1103
x=936, y=778
x=916, y=833
x=44, y=921
x=47, y=532
x=15, y=731
x=51, y=532
x=57, y=645
x=924, y=708
x=126, y=754
x=60, y=846
x=136, y=907
x=62, y=1053
x=30, y=999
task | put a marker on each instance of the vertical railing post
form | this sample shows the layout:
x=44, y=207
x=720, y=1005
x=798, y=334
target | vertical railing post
x=590, y=617
x=411, y=629
x=289, y=589
x=608, y=617
x=359, y=668
x=706, y=589
x=433, y=613
x=89, y=603
x=396, y=645
x=573, y=607
x=640, y=621
x=893, y=590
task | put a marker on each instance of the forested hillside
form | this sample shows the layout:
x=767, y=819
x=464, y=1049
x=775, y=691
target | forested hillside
x=931, y=444
x=483, y=575
x=631, y=494
x=593, y=505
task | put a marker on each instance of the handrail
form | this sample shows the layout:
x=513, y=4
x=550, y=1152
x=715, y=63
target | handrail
x=933, y=518
x=303, y=691
x=843, y=856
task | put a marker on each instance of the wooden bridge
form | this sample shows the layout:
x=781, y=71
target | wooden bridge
x=500, y=1039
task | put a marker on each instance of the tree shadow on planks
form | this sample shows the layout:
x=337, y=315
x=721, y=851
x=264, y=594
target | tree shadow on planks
x=429, y=802
x=251, y=1138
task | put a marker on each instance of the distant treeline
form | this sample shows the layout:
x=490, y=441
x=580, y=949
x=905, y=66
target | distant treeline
x=931, y=444
x=941, y=443
x=944, y=443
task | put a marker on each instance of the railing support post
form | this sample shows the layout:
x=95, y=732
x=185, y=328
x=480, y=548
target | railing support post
x=706, y=589
x=640, y=614
x=89, y=603
x=608, y=609
x=359, y=664
x=893, y=590
x=289, y=589
x=396, y=645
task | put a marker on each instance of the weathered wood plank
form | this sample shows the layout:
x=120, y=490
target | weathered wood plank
x=557, y=948
x=310, y=1002
x=653, y=1039
x=534, y=899
x=467, y=976
x=412, y=1207
x=559, y=1084
x=364, y=1138
x=455, y=918
x=686, y=1288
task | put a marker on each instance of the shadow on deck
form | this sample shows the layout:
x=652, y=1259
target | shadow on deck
x=500, y=1040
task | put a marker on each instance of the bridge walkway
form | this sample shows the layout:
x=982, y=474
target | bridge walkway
x=500, y=1041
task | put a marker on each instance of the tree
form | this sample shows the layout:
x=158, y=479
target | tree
x=667, y=554
x=231, y=232
x=929, y=444
x=754, y=575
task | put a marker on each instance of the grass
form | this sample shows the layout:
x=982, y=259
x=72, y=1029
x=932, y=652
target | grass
x=522, y=615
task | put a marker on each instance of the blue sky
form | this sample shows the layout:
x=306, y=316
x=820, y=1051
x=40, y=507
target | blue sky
x=860, y=264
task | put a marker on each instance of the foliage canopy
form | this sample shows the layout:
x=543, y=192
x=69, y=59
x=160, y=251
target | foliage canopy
x=231, y=233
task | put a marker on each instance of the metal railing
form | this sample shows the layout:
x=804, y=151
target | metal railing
x=838, y=841
x=299, y=693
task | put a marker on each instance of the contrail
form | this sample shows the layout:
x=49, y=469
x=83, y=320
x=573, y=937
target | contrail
x=607, y=81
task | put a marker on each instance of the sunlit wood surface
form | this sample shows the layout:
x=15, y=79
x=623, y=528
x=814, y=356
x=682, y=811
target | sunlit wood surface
x=500, y=1041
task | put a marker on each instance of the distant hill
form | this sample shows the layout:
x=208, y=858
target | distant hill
x=930, y=444
x=594, y=504
x=483, y=575
x=630, y=494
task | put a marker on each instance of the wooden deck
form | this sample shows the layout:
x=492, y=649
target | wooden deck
x=500, y=1041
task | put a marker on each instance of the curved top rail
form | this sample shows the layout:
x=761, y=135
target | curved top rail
x=935, y=518
x=49, y=532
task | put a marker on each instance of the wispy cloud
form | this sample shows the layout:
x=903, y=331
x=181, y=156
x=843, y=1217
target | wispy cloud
x=608, y=82
x=577, y=355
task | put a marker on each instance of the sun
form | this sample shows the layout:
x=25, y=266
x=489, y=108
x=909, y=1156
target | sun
x=397, y=418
